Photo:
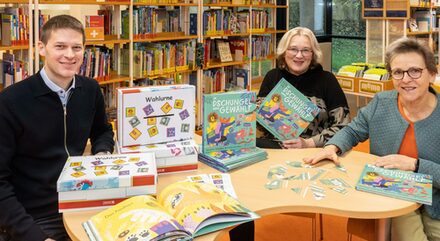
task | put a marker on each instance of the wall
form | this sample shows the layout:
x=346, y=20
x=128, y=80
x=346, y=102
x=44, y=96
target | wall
x=326, y=49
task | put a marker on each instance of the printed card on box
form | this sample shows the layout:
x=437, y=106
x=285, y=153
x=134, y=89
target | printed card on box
x=171, y=156
x=155, y=114
x=90, y=182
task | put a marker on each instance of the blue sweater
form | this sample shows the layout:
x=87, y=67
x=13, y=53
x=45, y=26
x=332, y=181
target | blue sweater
x=32, y=150
x=382, y=122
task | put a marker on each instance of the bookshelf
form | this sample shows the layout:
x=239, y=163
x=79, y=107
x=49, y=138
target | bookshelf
x=153, y=42
x=389, y=20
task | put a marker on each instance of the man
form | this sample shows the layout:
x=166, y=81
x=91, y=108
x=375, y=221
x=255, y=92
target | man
x=43, y=120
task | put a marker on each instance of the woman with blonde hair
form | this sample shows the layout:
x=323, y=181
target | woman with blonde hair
x=299, y=62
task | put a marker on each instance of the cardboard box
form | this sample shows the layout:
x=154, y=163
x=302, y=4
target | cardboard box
x=94, y=27
x=347, y=83
x=155, y=114
x=371, y=87
x=91, y=181
x=170, y=157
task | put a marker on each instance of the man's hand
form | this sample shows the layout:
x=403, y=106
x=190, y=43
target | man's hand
x=49, y=239
x=397, y=161
x=298, y=143
x=328, y=152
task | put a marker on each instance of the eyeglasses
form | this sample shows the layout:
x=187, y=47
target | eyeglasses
x=304, y=52
x=412, y=72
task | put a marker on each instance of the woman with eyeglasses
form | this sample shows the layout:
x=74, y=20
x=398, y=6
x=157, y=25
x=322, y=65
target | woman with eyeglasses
x=404, y=130
x=298, y=59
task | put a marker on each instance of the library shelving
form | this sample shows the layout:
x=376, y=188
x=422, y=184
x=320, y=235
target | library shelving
x=151, y=42
x=389, y=20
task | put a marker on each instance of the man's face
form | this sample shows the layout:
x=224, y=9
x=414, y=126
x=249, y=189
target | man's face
x=63, y=55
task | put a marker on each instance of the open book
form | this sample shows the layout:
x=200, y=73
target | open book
x=183, y=210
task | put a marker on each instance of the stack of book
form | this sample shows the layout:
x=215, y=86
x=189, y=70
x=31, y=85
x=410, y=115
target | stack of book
x=89, y=182
x=161, y=120
x=229, y=131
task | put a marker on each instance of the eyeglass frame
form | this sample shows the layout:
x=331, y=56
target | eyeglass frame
x=407, y=72
x=293, y=50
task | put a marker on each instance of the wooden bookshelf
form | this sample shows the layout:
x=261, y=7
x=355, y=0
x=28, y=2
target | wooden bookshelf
x=14, y=47
x=124, y=49
x=84, y=2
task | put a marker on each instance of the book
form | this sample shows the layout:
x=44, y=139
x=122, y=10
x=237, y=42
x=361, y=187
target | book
x=97, y=181
x=286, y=112
x=410, y=186
x=227, y=160
x=229, y=121
x=224, y=51
x=155, y=114
x=182, y=211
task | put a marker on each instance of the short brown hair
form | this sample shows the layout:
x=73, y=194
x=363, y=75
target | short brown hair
x=285, y=41
x=408, y=45
x=61, y=22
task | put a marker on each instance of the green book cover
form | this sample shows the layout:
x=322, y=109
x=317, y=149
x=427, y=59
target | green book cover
x=228, y=121
x=286, y=112
x=410, y=186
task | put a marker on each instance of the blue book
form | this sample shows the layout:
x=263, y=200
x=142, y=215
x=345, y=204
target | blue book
x=286, y=112
x=410, y=186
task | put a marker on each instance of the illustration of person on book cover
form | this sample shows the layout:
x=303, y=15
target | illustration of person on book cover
x=218, y=128
x=374, y=179
x=274, y=109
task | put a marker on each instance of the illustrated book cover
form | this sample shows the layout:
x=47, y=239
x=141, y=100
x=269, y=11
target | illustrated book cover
x=155, y=114
x=97, y=181
x=228, y=121
x=410, y=186
x=285, y=112
x=182, y=211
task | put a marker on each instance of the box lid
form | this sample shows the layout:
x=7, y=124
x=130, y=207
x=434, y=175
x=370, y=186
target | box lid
x=164, y=150
x=107, y=171
x=155, y=114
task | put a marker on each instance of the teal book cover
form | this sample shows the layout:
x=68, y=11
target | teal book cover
x=228, y=160
x=410, y=186
x=286, y=112
x=229, y=121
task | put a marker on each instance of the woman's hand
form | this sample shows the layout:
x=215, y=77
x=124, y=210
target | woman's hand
x=328, y=152
x=397, y=161
x=298, y=143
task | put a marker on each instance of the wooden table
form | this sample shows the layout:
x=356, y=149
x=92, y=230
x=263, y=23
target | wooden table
x=249, y=184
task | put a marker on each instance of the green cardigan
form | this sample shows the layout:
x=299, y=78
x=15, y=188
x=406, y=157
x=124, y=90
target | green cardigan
x=382, y=122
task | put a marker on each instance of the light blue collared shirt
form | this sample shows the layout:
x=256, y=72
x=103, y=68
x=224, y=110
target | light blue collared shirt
x=64, y=95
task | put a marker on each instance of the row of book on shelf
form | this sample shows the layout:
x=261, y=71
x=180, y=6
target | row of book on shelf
x=149, y=22
x=155, y=135
x=423, y=21
x=365, y=70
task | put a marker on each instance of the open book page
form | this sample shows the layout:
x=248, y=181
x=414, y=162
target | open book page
x=220, y=180
x=139, y=216
x=194, y=204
